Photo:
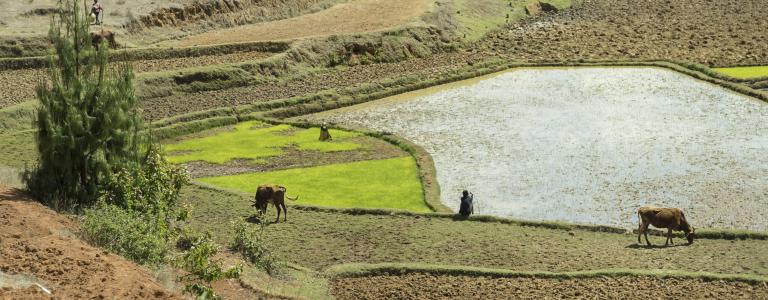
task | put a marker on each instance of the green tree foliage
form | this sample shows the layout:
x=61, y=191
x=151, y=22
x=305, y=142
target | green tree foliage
x=88, y=121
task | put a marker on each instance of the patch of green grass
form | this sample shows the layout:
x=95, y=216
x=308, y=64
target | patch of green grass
x=388, y=183
x=320, y=239
x=255, y=140
x=17, y=117
x=478, y=17
x=744, y=72
x=18, y=149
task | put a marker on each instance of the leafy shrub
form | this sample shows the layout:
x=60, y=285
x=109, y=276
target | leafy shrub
x=197, y=261
x=250, y=243
x=131, y=234
x=137, y=211
x=153, y=187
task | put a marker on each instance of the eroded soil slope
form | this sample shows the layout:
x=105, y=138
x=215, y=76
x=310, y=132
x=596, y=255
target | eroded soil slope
x=428, y=286
x=353, y=17
x=39, y=244
x=719, y=33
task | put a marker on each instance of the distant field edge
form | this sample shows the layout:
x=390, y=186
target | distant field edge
x=364, y=270
x=703, y=233
x=131, y=54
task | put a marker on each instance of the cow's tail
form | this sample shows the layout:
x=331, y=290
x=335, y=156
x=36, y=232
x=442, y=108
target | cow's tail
x=285, y=190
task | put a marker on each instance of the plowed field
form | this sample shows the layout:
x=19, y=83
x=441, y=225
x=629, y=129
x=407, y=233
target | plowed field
x=427, y=286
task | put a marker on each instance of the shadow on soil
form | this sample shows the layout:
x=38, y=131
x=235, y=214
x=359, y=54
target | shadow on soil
x=13, y=194
x=646, y=247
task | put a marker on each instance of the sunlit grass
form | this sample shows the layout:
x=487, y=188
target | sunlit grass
x=255, y=140
x=389, y=183
x=744, y=72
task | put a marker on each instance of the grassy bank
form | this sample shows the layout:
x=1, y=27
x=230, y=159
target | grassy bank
x=359, y=270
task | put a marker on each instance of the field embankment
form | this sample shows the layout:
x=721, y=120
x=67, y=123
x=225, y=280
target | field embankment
x=42, y=245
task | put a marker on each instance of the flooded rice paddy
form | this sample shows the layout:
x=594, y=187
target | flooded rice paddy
x=588, y=145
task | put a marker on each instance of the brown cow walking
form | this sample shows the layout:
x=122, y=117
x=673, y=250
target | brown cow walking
x=275, y=194
x=669, y=218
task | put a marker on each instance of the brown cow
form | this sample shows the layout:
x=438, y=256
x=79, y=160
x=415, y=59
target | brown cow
x=669, y=218
x=104, y=35
x=271, y=193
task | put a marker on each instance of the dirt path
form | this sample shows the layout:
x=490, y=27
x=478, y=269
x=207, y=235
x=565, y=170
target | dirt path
x=428, y=286
x=39, y=246
x=352, y=17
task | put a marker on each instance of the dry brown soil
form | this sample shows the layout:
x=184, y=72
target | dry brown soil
x=429, y=286
x=39, y=243
x=353, y=17
x=718, y=33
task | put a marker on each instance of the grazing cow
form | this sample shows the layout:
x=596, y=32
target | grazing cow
x=270, y=193
x=104, y=35
x=669, y=218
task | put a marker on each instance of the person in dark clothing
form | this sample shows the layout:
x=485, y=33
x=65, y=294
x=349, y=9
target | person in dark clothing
x=466, y=208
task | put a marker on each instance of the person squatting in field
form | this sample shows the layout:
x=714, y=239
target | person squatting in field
x=466, y=208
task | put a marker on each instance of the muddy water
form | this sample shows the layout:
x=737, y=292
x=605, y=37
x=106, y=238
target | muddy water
x=588, y=145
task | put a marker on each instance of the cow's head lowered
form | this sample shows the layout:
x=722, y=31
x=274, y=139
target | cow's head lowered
x=690, y=235
x=688, y=230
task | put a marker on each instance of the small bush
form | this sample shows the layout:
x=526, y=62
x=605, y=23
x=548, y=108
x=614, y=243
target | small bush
x=188, y=238
x=249, y=242
x=198, y=262
x=133, y=235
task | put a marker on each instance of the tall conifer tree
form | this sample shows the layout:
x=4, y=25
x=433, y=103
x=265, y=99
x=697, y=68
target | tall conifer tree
x=88, y=123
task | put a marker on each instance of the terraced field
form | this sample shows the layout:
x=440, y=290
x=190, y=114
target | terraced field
x=21, y=83
x=350, y=171
x=715, y=33
x=576, y=150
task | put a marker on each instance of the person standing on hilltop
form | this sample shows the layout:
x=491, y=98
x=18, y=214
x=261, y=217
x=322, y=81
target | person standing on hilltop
x=466, y=207
x=97, y=11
